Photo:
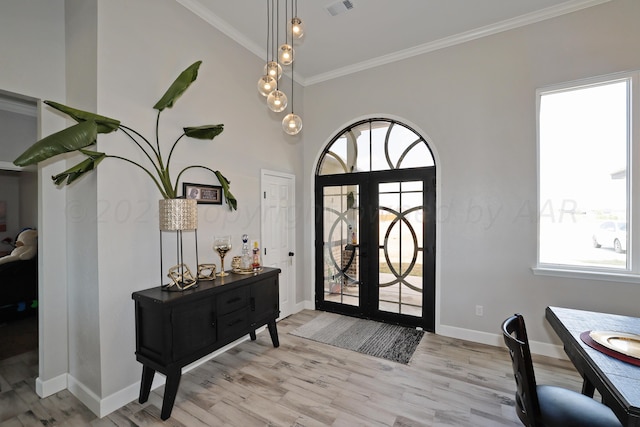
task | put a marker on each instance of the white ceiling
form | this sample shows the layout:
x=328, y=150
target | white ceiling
x=375, y=32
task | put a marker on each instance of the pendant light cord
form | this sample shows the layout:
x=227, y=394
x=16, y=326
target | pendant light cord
x=273, y=32
x=277, y=58
x=268, y=31
x=292, y=15
x=292, y=87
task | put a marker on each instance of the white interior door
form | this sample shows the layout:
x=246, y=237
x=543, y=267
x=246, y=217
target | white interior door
x=278, y=232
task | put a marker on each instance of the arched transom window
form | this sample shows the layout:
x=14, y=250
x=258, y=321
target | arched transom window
x=374, y=145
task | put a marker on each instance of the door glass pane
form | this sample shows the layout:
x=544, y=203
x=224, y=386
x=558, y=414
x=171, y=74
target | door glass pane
x=389, y=187
x=400, y=248
x=341, y=252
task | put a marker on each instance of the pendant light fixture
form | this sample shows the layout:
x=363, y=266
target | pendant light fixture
x=277, y=100
x=296, y=29
x=266, y=85
x=285, y=52
x=278, y=56
x=273, y=69
x=292, y=123
x=268, y=82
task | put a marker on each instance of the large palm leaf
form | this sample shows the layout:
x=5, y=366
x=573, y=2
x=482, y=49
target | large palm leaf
x=84, y=134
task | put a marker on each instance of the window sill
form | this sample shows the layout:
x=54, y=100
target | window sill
x=608, y=276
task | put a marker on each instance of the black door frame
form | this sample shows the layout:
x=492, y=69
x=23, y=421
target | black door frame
x=369, y=244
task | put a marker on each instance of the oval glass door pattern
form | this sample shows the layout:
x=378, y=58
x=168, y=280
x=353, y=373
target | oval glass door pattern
x=341, y=255
x=400, y=247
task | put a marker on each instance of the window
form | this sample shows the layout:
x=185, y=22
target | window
x=584, y=168
x=374, y=145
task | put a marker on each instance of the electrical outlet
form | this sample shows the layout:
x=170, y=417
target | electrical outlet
x=479, y=310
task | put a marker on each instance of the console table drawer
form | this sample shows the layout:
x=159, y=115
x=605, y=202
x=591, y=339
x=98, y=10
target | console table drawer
x=228, y=302
x=234, y=323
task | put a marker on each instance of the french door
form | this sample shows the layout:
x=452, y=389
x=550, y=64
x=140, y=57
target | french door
x=375, y=245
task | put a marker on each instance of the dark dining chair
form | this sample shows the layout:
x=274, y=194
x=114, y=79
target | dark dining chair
x=546, y=405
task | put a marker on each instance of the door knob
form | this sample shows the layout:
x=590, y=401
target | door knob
x=290, y=253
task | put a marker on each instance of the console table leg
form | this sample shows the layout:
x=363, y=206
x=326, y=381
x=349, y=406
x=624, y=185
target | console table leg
x=274, y=333
x=170, y=393
x=145, y=383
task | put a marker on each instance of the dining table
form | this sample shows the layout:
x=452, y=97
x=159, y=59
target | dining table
x=617, y=380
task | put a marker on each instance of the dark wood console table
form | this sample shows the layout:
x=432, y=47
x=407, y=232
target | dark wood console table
x=174, y=329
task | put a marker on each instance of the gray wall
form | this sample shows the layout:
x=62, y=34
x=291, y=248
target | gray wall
x=475, y=103
x=33, y=65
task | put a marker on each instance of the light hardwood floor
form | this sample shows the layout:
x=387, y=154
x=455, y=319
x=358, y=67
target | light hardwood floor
x=303, y=383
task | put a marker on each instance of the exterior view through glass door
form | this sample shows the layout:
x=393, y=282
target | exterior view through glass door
x=375, y=225
x=400, y=247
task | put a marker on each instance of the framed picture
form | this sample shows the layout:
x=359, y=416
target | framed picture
x=211, y=194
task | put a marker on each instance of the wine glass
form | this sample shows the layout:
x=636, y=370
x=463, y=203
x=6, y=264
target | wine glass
x=222, y=244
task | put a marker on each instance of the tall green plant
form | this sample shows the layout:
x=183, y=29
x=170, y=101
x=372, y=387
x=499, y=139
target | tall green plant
x=84, y=134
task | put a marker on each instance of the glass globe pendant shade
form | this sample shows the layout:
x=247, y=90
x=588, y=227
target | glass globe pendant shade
x=277, y=101
x=292, y=124
x=296, y=29
x=285, y=54
x=266, y=85
x=273, y=69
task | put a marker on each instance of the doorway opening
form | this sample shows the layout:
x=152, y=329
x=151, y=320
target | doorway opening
x=375, y=224
x=18, y=235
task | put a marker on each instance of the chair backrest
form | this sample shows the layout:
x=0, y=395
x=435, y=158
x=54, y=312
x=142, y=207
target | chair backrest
x=515, y=337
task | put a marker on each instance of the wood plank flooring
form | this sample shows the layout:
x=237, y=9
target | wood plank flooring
x=303, y=383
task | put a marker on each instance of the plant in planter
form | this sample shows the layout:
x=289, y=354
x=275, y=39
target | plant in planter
x=83, y=134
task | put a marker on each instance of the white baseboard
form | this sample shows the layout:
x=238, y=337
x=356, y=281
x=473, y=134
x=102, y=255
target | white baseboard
x=113, y=402
x=305, y=305
x=84, y=395
x=48, y=387
x=497, y=340
x=123, y=397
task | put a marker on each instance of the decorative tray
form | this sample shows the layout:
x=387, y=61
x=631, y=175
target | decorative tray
x=622, y=342
x=248, y=271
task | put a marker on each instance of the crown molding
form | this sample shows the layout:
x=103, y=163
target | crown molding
x=509, y=24
x=196, y=7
